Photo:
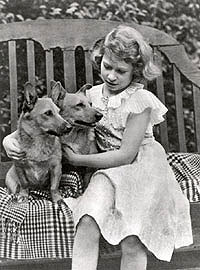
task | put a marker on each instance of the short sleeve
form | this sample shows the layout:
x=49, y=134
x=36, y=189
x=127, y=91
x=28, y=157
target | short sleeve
x=143, y=99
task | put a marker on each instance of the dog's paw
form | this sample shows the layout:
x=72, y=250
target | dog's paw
x=56, y=197
x=22, y=198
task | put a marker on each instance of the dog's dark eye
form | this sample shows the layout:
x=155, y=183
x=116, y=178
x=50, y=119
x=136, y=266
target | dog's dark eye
x=48, y=113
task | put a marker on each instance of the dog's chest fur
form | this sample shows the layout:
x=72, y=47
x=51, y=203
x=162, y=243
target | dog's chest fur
x=40, y=154
x=79, y=140
x=36, y=172
x=40, y=148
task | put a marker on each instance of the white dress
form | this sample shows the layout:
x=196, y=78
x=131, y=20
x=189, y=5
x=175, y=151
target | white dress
x=142, y=198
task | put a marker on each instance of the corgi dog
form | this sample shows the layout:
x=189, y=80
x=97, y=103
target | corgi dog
x=39, y=128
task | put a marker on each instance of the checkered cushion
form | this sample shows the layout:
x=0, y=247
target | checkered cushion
x=186, y=167
x=38, y=228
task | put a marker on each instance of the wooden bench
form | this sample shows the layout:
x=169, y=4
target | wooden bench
x=71, y=40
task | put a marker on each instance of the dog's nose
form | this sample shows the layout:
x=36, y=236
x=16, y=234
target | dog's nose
x=98, y=116
x=66, y=128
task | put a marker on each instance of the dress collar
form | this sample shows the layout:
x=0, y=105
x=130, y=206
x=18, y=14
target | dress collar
x=115, y=101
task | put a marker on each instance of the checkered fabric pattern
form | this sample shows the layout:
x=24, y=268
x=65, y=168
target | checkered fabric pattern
x=9, y=205
x=186, y=167
x=38, y=228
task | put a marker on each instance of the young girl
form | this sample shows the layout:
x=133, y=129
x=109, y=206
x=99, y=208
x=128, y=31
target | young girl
x=133, y=198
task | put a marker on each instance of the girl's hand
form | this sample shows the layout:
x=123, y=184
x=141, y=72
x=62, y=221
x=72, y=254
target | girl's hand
x=12, y=148
x=70, y=155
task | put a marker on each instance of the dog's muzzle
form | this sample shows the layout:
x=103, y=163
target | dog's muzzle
x=65, y=128
x=82, y=123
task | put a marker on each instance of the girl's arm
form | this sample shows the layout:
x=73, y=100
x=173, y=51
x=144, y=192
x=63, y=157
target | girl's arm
x=12, y=147
x=132, y=138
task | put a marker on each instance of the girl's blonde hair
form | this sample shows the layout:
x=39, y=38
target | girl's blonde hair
x=126, y=43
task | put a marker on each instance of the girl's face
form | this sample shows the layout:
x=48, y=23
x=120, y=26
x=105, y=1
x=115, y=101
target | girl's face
x=116, y=74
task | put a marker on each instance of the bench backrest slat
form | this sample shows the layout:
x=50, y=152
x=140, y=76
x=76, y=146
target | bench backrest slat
x=196, y=101
x=49, y=68
x=69, y=70
x=88, y=68
x=31, y=61
x=179, y=110
x=13, y=83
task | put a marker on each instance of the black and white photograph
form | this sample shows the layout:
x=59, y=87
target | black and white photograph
x=100, y=134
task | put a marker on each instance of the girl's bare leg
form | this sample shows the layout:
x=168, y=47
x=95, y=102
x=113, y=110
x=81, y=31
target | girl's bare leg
x=86, y=245
x=86, y=242
x=134, y=254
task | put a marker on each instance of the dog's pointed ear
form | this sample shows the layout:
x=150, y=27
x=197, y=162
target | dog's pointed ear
x=52, y=83
x=57, y=92
x=84, y=88
x=30, y=97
